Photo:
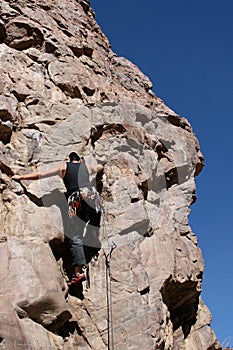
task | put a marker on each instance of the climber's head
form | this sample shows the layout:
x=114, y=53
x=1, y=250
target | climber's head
x=74, y=156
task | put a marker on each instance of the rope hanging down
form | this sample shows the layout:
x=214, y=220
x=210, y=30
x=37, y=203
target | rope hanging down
x=109, y=297
x=109, y=291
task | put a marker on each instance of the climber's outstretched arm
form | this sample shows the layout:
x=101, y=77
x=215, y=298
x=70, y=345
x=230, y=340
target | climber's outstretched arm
x=60, y=171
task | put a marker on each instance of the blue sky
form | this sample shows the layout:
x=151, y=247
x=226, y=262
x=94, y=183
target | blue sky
x=186, y=49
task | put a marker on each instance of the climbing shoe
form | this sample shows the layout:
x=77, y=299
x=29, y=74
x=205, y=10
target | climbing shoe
x=79, y=277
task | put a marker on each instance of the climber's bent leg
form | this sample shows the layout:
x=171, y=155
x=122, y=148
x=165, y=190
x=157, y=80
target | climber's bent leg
x=79, y=260
x=78, y=256
x=76, y=229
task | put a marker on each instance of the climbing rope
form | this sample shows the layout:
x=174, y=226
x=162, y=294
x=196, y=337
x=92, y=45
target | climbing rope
x=108, y=256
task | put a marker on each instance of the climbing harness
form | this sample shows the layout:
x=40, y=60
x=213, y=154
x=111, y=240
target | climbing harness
x=73, y=203
x=90, y=196
x=108, y=256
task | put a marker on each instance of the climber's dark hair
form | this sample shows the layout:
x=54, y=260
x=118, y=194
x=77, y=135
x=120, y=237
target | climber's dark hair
x=74, y=156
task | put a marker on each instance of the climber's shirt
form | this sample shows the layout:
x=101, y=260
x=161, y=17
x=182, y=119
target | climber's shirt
x=76, y=177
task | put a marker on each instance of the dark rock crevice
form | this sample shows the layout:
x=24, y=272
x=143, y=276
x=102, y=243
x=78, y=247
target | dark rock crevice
x=57, y=247
x=99, y=180
x=2, y=32
x=5, y=132
x=43, y=306
x=134, y=200
x=161, y=150
x=21, y=35
x=161, y=346
x=145, y=291
x=179, y=122
x=88, y=91
x=111, y=129
x=182, y=301
x=149, y=232
x=70, y=327
x=85, y=5
x=77, y=50
x=50, y=46
x=143, y=187
x=20, y=96
x=69, y=90
x=6, y=169
x=171, y=177
x=32, y=197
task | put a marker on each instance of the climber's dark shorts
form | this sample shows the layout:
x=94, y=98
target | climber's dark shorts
x=84, y=230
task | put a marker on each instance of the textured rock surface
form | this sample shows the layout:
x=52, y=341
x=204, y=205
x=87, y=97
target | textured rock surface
x=63, y=89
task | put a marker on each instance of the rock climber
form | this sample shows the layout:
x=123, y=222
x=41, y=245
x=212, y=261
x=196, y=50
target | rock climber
x=84, y=207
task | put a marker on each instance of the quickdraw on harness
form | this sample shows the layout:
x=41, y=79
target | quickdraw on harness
x=74, y=203
x=90, y=196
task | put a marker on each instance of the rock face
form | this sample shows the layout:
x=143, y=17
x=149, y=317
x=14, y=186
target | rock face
x=63, y=89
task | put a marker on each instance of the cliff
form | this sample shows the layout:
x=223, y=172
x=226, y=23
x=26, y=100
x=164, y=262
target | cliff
x=63, y=89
